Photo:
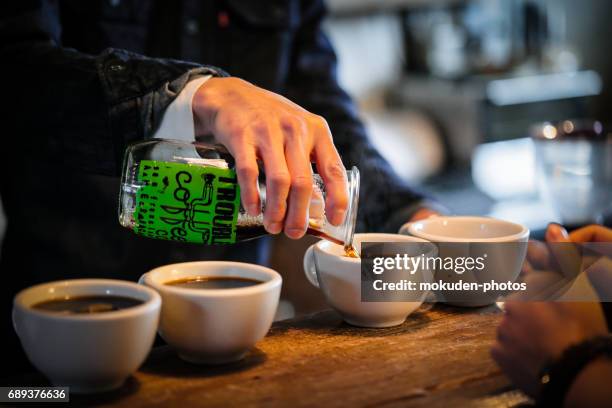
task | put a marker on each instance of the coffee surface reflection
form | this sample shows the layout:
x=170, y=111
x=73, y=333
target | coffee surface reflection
x=87, y=304
x=214, y=282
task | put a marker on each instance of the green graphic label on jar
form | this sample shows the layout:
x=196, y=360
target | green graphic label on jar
x=186, y=202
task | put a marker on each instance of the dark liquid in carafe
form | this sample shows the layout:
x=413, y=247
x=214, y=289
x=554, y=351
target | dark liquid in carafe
x=246, y=232
x=251, y=231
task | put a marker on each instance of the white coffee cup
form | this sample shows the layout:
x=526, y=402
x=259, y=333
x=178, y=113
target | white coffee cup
x=215, y=326
x=503, y=244
x=339, y=277
x=87, y=352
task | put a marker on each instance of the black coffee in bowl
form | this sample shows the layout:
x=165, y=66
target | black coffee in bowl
x=87, y=304
x=214, y=282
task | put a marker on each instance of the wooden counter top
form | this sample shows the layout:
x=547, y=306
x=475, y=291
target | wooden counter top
x=438, y=357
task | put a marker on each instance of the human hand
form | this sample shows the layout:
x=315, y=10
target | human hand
x=540, y=256
x=423, y=213
x=534, y=333
x=599, y=268
x=554, y=254
x=552, y=267
x=255, y=124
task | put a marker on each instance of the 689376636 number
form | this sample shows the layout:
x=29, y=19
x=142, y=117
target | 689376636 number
x=34, y=394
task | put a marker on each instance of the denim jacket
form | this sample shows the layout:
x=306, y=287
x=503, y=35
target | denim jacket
x=84, y=78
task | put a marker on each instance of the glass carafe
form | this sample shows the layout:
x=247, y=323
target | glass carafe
x=189, y=192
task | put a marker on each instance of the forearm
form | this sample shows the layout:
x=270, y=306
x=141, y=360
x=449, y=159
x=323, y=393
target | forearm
x=76, y=108
x=592, y=386
x=84, y=109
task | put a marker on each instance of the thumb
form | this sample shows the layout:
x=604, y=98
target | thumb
x=556, y=233
x=600, y=276
x=565, y=253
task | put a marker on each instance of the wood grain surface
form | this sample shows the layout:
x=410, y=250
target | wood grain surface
x=437, y=358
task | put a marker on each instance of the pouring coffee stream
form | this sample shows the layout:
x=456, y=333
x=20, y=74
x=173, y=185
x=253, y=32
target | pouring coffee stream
x=351, y=252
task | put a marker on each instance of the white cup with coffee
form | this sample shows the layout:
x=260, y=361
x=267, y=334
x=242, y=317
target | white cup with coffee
x=339, y=277
x=498, y=246
x=87, y=334
x=214, y=311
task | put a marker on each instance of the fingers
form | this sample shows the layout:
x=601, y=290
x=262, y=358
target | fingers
x=248, y=173
x=600, y=276
x=512, y=308
x=424, y=213
x=504, y=333
x=526, y=268
x=545, y=285
x=538, y=255
x=516, y=367
x=592, y=233
x=251, y=123
x=511, y=334
x=556, y=233
x=563, y=251
x=298, y=162
x=278, y=179
x=331, y=169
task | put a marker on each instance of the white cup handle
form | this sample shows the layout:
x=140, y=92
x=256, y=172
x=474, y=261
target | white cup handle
x=404, y=229
x=310, y=268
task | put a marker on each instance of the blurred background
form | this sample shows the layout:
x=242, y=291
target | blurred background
x=452, y=91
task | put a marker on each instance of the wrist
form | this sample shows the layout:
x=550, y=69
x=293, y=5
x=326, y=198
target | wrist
x=205, y=105
x=557, y=377
x=591, y=388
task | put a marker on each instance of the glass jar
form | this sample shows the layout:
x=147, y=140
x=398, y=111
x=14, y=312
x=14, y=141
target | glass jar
x=189, y=192
x=574, y=162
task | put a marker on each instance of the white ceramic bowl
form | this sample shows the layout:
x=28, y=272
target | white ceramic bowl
x=339, y=278
x=502, y=243
x=215, y=326
x=87, y=352
x=466, y=229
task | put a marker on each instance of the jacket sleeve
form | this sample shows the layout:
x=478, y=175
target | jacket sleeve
x=385, y=201
x=78, y=108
